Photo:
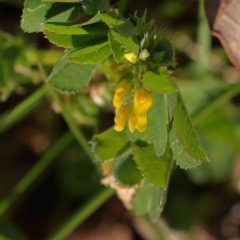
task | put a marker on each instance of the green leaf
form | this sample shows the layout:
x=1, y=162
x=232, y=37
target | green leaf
x=116, y=47
x=92, y=20
x=74, y=41
x=125, y=170
x=75, y=28
x=128, y=43
x=86, y=50
x=109, y=144
x=161, y=133
x=91, y=7
x=164, y=46
x=119, y=24
x=157, y=203
x=156, y=130
x=70, y=77
x=36, y=12
x=155, y=169
x=91, y=55
x=149, y=199
x=171, y=103
x=186, y=146
x=142, y=199
x=158, y=82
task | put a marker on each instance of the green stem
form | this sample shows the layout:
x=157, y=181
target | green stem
x=122, y=6
x=22, y=110
x=36, y=171
x=81, y=214
x=204, y=39
x=225, y=97
x=68, y=117
x=156, y=230
x=71, y=123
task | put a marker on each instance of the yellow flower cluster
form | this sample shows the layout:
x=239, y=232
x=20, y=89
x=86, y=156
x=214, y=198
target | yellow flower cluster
x=142, y=101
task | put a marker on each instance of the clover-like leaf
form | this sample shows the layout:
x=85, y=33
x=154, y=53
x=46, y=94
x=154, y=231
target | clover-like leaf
x=159, y=82
x=155, y=169
x=90, y=55
x=187, y=149
x=70, y=77
x=36, y=12
x=109, y=144
x=125, y=170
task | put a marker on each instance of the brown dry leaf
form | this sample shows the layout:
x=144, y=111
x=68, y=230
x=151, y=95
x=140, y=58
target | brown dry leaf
x=224, y=20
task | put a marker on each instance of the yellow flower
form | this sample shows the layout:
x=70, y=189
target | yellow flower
x=143, y=100
x=131, y=57
x=138, y=122
x=120, y=117
x=121, y=89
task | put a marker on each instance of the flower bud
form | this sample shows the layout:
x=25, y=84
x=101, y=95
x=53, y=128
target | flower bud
x=144, y=54
x=131, y=57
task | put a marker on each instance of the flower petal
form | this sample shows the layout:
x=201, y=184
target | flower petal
x=132, y=122
x=142, y=108
x=120, y=117
x=118, y=100
x=141, y=123
x=121, y=89
x=140, y=95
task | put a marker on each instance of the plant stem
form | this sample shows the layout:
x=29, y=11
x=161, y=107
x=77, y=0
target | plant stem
x=82, y=214
x=67, y=116
x=154, y=227
x=71, y=123
x=122, y=6
x=204, y=39
x=225, y=97
x=36, y=171
x=22, y=110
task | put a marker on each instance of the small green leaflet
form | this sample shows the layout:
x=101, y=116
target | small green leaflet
x=164, y=46
x=109, y=144
x=91, y=7
x=155, y=169
x=75, y=28
x=36, y=12
x=149, y=200
x=86, y=50
x=70, y=77
x=129, y=43
x=158, y=82
x=171, y=103
x=142, y=199
x=186, y=146
x=91, y=55
x=92, y=20
x=122, y=26
x=161, y=131
x=116, y=47
x=125, y=170
x=74, y=41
